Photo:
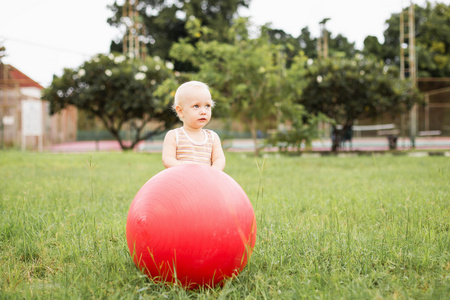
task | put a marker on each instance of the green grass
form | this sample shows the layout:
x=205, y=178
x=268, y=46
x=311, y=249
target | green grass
x=329, y=228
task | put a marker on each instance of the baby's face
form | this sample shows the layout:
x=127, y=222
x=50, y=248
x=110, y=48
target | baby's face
x=195, y=107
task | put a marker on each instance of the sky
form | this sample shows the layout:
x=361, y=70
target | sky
x=42, y=37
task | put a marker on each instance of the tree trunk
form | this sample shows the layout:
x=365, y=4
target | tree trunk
x=254, y=136
x=340, y=136
x=335, y=139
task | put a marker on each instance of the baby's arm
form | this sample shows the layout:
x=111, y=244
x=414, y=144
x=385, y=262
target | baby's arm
x=169, y=151
x=218, y=157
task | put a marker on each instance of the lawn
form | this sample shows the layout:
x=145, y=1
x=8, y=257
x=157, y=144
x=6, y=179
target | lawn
x=330, y=228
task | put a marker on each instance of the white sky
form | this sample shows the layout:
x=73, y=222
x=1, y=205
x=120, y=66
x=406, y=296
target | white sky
x=42, y=37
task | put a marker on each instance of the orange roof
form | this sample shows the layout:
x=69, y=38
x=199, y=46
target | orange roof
x=22, y=79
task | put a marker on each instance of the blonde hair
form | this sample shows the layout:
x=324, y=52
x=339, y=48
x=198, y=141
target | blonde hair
x=183, y=87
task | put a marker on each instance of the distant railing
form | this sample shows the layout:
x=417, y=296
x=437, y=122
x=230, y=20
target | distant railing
x=430, y=133
x=370, y=127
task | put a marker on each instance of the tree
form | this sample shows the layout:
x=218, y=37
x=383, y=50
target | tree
x=347, y=89
x=307, y=44
x=338, y=46
x=432, y=25
x=117, y=90
x=296, y=126
x=288, y=45
x=341, y=47
x=245, y=74
x=433, y=40
x=303, y=127
x=373, y=48
x=2, y=52
x=165, y=21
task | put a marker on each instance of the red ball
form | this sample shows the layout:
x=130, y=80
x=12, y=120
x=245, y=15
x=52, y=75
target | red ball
x=191, y=224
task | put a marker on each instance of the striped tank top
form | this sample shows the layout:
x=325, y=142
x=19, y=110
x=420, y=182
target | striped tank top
x=193, y=152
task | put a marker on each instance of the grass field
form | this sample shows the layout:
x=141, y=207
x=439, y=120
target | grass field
x=370, y=227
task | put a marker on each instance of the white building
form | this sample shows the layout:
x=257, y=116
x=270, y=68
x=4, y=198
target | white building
x=25, y=119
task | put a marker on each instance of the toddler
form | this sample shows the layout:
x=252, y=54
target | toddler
x=191, y=144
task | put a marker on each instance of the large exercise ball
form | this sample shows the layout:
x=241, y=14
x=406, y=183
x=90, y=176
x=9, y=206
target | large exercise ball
x=191, y=224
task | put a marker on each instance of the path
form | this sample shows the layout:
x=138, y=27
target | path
x=359, y=144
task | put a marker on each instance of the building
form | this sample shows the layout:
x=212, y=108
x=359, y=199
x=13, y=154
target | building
x=25, y=120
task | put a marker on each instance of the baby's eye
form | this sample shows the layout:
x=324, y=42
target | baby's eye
x=208, y=106
x=196, y=106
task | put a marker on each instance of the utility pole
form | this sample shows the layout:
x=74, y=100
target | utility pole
x=322, y=45
x=322, y=53
x=408, y=67
x=134, y=30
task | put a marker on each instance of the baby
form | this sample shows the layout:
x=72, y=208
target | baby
x=191, y=144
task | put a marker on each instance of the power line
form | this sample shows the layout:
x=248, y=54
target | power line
x=45, y=46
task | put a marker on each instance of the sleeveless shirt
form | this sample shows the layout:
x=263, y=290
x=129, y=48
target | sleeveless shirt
x=193, y=152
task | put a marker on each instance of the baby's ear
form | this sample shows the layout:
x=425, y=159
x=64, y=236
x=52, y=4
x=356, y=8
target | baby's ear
x=179, y=110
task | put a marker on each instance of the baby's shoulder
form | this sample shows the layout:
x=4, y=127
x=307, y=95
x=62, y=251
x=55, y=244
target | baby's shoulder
x=175, y=130
x=212, y=134
x=171, y=133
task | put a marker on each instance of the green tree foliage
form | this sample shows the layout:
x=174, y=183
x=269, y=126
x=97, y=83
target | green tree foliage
x=246, y=74
x=372, y=47
x=307, y=43
x=433, y=40
x=288, y=45
x=301, y=128
x=347, y=89
x=338, y=46
x=165, y=21
x=432, y=24
x=117, y=90
x=297, y=126
x=2, y=52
